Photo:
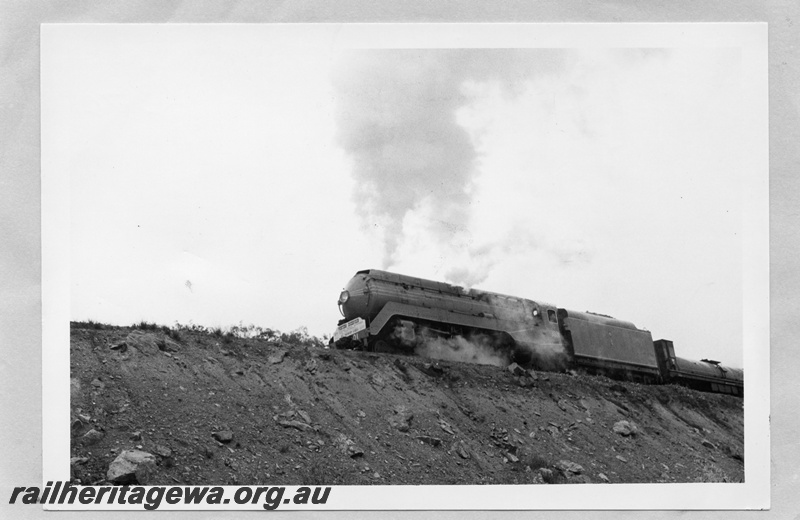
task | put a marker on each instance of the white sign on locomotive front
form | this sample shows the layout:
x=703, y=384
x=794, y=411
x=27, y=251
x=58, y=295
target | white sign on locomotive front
x=349, y=328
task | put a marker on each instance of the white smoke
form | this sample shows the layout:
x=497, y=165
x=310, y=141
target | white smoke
x=539, y=346
x=544, y=350
x=476, y=349
x=414, y=165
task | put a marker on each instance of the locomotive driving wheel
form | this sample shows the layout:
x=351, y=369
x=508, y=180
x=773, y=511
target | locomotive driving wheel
x=380, y=344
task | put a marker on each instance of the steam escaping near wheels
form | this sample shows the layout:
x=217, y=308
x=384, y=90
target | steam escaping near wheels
x=461, y=349
x=477, y=348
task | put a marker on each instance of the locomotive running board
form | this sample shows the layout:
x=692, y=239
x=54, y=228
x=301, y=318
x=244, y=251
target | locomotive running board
x=392, y=309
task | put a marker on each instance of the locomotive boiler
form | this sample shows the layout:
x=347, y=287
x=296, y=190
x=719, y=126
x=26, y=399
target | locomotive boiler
x=389, y=312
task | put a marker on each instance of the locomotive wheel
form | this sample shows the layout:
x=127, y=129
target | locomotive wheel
x=382, y=346
x=521, y=356
x=345, y=344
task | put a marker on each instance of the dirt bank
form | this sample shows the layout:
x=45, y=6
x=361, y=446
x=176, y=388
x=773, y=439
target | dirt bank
x=215, y=409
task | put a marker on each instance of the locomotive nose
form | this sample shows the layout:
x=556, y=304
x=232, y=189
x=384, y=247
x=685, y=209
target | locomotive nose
x=353, y=300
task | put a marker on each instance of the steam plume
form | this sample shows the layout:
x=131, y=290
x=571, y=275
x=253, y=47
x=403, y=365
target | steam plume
x=396, y=115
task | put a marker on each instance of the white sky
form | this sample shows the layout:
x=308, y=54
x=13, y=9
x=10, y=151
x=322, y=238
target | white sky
x=209, y=182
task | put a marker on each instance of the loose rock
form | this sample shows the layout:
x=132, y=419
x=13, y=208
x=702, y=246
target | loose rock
x=548, y=475
x=433, y=441
x=517, y=370
x=223, y=436
x=526, y=382
x=401, y=418
x=625, y=428
x=92, y=437
x=296, y=424
x=461, y=450
x=132, y=467
x=348, y=446
x=311, y=366
x=277, y=357
x=569, y=467
x=444, y=425
x=355, y=451
x=305, y=416
x=162, y=451
x=432, y=369
x=144, y=342
x=167, y=345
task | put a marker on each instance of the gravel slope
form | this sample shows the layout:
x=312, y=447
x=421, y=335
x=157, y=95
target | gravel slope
x=223, y=410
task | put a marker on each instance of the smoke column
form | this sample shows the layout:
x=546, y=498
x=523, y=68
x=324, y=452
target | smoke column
x=396, y=119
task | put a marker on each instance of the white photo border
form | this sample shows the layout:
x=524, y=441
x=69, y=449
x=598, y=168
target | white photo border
x=751, y=38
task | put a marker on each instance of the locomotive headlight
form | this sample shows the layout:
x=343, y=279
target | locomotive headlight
x=535, y=312
x=343, y=297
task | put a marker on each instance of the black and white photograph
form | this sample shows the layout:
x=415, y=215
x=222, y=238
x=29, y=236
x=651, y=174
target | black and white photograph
x=486, y=266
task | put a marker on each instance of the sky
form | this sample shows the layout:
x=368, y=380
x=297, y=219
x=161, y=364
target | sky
x=221, y=175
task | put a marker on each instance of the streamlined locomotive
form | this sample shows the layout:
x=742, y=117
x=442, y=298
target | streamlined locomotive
x=387, y=312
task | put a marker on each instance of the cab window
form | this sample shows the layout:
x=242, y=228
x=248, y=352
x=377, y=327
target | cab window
x=551, y=315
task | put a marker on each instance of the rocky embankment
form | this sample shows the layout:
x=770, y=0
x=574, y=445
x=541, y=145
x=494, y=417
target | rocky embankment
x=190, y=407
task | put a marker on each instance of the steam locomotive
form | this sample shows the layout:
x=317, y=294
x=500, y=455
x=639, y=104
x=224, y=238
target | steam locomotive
x=388, y=312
